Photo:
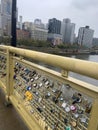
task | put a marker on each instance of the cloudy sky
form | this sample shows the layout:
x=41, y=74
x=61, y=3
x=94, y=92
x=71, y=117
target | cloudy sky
x=81, y=12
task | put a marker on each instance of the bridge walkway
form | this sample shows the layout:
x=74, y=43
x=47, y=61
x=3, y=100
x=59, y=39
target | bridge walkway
x=9, y=118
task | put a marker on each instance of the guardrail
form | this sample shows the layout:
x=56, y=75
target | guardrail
x=44, y=98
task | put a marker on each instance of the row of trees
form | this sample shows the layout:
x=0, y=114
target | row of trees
x=25, y=42
x=37, y=43
x=33, y=43
x=5, y=40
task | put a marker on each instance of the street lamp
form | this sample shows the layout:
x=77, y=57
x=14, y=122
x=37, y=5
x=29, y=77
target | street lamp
x=13, y=24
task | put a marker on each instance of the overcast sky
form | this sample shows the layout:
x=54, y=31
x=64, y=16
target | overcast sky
x=81, y=12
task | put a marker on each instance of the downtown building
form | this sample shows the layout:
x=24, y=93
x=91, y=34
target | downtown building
x=85, y=36
x=5, y=17
x=54, y=31
x=23, y=29
x=22, y=34
x=31, y=30
x=95, y=42
x=0, y=20
x=54, y=26
x=26, y=25
x=38, y=31
x=19, y=23
x=68, y=31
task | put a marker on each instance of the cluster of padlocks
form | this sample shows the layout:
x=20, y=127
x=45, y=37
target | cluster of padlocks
x=3, y=68
x=51, y=100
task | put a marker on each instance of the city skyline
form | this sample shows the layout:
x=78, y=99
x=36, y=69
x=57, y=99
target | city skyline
x=81, y=13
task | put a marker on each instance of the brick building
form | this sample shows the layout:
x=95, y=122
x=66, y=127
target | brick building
x=23, y=34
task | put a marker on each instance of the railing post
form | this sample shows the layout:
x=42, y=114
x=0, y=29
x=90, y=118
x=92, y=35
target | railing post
x=93, y=123
x=10, y=73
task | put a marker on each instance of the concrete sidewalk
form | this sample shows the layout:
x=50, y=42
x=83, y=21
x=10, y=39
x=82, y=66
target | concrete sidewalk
x=9, y=118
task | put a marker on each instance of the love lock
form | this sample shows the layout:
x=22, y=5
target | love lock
x=65, y=121
x=68, y=128
x=73, y=123
x=28, y=95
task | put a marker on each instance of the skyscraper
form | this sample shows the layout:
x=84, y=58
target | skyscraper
x=38, y=23
x=54, y=31
x=54, y=26
x=20, y=17
x=5, y=17
x=85, y=36
x=0, y=20
x=38, y=30
x=67, y=31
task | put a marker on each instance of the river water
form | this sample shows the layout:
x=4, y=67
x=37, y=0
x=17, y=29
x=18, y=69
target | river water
x=93, y=58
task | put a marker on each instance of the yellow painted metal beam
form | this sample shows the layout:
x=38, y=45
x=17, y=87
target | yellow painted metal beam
x=86, y=68
x=10, y=73
x=3, y=87
x=93, y=124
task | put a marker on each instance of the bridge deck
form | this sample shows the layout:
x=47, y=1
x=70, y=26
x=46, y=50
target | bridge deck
x=9, y=119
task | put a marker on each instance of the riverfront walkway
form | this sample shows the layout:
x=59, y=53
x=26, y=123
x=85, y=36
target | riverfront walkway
x=9, y=119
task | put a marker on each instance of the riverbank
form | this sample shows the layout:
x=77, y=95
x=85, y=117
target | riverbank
x=57, y=51
x=72, y=53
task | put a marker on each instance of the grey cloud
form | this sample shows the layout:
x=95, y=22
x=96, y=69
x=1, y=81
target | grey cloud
x=81, y=12
x=85, y=4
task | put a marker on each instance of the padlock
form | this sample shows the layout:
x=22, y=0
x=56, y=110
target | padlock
x=68, y=128
x=29, y=88
x=65, y=120
x=74, y=123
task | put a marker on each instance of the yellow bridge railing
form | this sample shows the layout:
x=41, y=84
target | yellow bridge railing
x=44, y=98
